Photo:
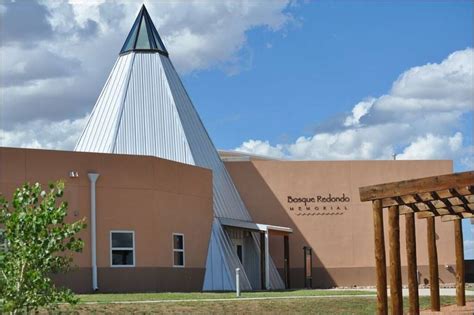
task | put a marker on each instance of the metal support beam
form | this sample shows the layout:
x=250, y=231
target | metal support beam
x=286, y=249
x=93, y=179
x=267, y=261
x=262, y=261
x=380, y=263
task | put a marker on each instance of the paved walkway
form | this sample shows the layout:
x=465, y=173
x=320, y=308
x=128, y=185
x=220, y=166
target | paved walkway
x=421, y=292
x=237, y=299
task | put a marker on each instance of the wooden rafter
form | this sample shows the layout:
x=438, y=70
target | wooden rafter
x=423, y=208
x=456, y=195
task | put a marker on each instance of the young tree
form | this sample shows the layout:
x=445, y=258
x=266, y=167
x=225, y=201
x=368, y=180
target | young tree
x=37, y=241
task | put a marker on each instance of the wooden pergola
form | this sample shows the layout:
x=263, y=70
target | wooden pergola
x=449, y=196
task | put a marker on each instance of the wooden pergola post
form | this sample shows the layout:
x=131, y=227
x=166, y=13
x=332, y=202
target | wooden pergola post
x=396, y=297
x=380, y=263
x=433, y=260
x=450, y=197
x=410, y=237
x=460, y=280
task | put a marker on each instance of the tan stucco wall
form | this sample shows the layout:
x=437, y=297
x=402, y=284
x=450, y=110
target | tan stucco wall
x=342, y=240
x=151, y=196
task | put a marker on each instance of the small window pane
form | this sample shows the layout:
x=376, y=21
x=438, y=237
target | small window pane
x=178, y=258
x=178, y=242
x=239, y=253
x=130, y=41
x=122, y=257
x=143, y=41
x=122, y=240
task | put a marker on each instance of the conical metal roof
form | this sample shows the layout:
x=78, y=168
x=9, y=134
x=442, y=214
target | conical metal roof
x=143, y=36
x=144, y=109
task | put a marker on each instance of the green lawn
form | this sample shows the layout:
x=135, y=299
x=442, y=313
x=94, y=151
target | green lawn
x=105, y=298
x=324, y=305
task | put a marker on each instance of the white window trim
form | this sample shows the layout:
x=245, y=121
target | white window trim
x=122, y=248
x=178, y=250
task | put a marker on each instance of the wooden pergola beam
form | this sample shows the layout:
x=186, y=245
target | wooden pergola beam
x=446, y=216
x=468, y=208
x=458, y=217
x=416, y=186
x=455, y=196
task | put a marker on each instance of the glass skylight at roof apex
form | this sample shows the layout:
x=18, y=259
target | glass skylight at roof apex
x=143, y=36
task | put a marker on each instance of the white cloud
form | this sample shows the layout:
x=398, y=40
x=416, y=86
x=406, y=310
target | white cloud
x=360, y=109
x=261, y=148
x=430, y=146
x=418, y=119
x=61, y=135
x=198, y=34
x=55, y=70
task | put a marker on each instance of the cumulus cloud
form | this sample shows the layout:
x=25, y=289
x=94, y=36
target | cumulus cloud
x=14, y=16
x=429, y=146
x=261, y=148
x=417, y=119
x=53, y=67
x=19, y=71
x=43, y=134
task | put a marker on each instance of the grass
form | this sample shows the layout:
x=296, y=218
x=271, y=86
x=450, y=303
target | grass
x=338, y=305
x=106, y=298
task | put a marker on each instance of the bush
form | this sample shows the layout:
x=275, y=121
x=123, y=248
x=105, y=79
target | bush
x=37, y=244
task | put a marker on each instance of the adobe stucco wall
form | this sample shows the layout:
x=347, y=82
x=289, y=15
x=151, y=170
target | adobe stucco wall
x=153, y=197
x=341, y=236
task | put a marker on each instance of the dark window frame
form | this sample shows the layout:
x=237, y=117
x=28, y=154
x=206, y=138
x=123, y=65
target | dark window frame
x=112, y=249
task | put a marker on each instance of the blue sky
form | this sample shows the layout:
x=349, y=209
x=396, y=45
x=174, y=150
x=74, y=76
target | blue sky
x=292, y=79
x=340, y=53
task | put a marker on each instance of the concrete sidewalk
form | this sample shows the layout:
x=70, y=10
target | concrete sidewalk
x=421, y=291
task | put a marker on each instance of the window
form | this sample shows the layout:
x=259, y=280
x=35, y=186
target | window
x=239, y=253
x=178, y=250
x=122, y=249
x=3, y=241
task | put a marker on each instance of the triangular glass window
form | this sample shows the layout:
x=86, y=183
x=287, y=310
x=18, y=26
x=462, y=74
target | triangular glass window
x=132, y=36
x=143, y=42
x=143, y=36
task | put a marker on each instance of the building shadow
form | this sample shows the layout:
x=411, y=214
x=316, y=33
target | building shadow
x=265, y=208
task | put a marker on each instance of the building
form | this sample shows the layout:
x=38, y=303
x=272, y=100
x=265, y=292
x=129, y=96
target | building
x=167, y=214
x=158, y=213
x=319, y=201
